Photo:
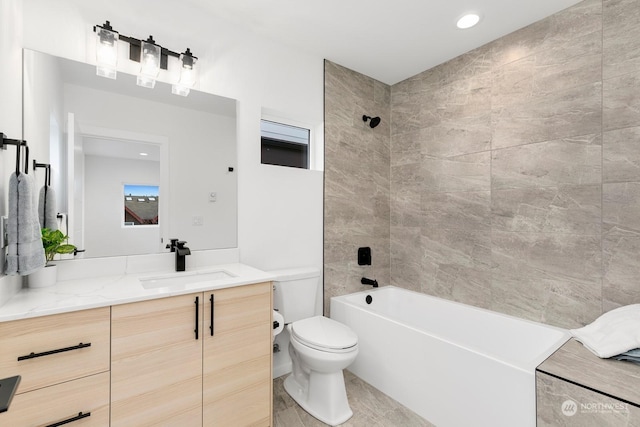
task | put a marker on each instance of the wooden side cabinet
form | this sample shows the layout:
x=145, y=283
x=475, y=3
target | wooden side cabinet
x=237, y=359
x=156, y=362
x=193, y=360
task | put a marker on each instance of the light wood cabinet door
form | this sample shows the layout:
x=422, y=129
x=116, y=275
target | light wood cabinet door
x=237, y=383
x=156, y=362
x=79, y=403
x=50, y=349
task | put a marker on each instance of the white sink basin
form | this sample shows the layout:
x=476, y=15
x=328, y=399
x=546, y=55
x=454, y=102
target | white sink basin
x=184, y=278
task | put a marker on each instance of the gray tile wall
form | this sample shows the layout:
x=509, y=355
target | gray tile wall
x=514, y=177
x=356, y=189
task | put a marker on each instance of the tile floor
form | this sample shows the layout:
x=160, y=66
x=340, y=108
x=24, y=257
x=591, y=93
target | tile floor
x=371, y=408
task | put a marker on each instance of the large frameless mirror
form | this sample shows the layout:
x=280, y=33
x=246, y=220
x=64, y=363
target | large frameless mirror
x=107, y=138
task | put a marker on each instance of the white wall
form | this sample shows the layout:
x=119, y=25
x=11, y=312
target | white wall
x=10, y=111
x=103, y=210
x=200, y=153
x=279, y=209
x=43, y=100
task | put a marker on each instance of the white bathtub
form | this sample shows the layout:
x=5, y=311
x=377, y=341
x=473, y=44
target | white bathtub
x=453, y=364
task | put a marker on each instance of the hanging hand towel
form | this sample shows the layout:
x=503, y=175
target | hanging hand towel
x=47, y=211
x=25, y=253
x=615, y=332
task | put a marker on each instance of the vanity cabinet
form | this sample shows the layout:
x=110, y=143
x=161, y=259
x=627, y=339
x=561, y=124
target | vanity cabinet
x=63, y=361
x=237, y=361
x=196, y=359
x=80, y=403
x=156, y=362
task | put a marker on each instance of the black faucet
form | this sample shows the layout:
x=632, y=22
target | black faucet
x=178, y=246
x=366, y=281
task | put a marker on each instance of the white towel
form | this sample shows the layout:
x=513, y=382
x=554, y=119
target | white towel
x=47, y=211
x=25, y=253
x=615, y=332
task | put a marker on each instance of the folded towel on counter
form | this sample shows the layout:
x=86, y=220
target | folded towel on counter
x=25, y=253
x=47, y=211
x=613, y=333
x=629, y=356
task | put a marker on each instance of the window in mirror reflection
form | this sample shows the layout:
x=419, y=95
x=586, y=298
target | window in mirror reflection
x=141, y=204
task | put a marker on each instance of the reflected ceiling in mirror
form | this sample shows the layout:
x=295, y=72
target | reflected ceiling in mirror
x=92, y=131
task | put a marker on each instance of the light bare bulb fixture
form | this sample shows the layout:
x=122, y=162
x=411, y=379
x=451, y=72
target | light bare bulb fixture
x=106, y=50
x=188, y=74
x=150, y=54
x=152, y=58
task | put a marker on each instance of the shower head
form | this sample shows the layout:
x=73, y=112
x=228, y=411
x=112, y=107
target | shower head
x=375, y=121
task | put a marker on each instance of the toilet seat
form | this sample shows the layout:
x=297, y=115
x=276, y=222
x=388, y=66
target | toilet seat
x=324, y=334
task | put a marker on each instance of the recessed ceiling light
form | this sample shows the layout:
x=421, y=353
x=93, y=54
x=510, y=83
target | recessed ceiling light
x=144, y=154
x=468, y=21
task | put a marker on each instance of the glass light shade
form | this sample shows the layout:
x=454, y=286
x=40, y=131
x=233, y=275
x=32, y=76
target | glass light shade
x=106, y=52
x=144, y=81
x=180, y=90
x=188, y=74
x=189, y=70
x=149, y=64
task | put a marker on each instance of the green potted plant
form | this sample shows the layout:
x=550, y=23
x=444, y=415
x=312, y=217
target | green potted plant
x=54, y=242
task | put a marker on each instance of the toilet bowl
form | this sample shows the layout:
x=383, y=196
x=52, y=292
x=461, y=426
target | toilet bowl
x=320, y=349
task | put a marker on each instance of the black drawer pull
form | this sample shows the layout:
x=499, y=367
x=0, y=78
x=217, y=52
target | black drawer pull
x=70, y=420
x=211, y=327
x=197, y=329
x=48, y=353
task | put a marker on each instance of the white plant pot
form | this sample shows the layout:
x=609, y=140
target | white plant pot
x=46, y=276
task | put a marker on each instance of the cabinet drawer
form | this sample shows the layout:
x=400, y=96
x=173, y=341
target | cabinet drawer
x=60, y=347
x=82, y=403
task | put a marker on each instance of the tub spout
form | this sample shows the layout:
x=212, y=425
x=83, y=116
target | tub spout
x=371, y=282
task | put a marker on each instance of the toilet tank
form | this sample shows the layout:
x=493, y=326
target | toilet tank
x=295, y=291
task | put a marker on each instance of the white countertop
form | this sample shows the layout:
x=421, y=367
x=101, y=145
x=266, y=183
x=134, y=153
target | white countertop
x=106, y=290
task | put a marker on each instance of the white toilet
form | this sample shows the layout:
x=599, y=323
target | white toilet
x=320, y=347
